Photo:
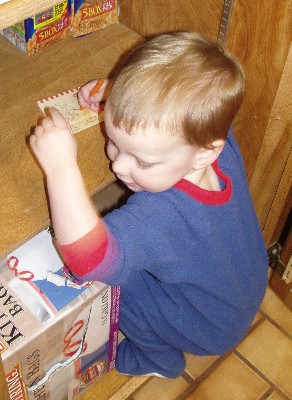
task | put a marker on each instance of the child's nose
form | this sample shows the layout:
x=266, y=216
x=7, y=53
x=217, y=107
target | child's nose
x=120, y=165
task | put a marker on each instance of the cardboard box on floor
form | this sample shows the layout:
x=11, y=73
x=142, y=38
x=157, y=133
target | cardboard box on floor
x=54, y=340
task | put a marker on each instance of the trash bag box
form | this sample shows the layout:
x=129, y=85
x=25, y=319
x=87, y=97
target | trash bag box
x=56, y=338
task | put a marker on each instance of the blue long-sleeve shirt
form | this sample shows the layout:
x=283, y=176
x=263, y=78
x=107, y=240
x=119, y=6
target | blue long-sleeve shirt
x=192, y=263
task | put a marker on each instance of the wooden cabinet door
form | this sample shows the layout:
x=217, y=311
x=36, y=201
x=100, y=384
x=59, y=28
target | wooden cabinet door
x=270, y=183
x=259, y=35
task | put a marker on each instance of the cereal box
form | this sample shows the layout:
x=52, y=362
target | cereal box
x=56, y=338
x=41, y=30
x=91, y=15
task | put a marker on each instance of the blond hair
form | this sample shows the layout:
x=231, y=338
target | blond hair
x=182, y=82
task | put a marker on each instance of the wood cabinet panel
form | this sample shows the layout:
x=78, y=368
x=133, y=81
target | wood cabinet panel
x=259, y=35
x=271, y=180
x=23, y=81
x=151, y=17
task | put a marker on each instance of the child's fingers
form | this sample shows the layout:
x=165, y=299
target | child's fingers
x=96, y=98
x=90, y=93
x=89, y=87
x=97, y=87
x=83, y=103
x=95, y=107
x=97, y=93
x=38, y=132
x=84, y=91
x=47, y=122
x=57, y=118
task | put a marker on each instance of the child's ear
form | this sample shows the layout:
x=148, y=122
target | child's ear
x=205, y=157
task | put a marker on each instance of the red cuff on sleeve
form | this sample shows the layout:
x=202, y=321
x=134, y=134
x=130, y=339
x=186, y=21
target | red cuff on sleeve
x=87, y=253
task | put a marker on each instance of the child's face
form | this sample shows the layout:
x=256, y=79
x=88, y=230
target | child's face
x=150, y=160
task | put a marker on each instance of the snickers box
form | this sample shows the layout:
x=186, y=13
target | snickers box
x=56, y=337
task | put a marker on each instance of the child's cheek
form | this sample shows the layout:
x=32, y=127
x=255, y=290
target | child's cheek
x=111, y=151
x=142, y=180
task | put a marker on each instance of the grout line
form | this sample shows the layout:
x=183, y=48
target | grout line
x=256, y=324
x=264, y=377
x=276, y=324
x=188, y=377
x=204, y=375
x=266, y=395
x=197, y=381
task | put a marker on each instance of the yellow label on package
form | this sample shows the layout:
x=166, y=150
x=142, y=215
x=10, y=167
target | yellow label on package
x=49, y=16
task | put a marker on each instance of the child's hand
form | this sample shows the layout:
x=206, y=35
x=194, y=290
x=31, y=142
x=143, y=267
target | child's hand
x=92, y=102
x=53, y=143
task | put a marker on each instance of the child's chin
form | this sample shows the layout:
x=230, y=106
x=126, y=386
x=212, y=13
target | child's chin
x=133, y=187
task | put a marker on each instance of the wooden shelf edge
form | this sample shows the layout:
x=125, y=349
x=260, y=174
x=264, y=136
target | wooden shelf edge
x=17, y=10
x=129, y=388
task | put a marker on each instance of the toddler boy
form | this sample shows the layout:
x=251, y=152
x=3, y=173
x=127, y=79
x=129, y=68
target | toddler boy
x=186, y=248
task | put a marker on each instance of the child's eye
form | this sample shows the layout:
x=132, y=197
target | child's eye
x=144, y=166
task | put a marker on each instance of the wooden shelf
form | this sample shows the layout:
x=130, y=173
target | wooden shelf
x=26, y=79
x=113, y=386
x=23, y=81
x=17, y=10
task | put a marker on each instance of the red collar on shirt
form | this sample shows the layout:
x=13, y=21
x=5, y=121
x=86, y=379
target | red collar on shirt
x=207, y=196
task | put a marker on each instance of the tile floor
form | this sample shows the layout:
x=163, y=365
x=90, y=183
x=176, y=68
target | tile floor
x=259, y=368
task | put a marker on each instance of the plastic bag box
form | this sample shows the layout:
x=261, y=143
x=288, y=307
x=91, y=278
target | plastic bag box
x=54, y=340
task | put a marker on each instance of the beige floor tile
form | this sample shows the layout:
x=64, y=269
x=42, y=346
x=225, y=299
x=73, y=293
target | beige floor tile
x=277, y=310
x=231, y=380
x=270, y=351
x=275, y=396
x=162, y=389
x=197, y=365
x=257, y=317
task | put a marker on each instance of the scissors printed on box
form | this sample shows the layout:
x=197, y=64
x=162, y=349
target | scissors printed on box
x=12, y=263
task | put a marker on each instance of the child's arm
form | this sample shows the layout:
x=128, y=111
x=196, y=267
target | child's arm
x=72, y=212
x=91, y=101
